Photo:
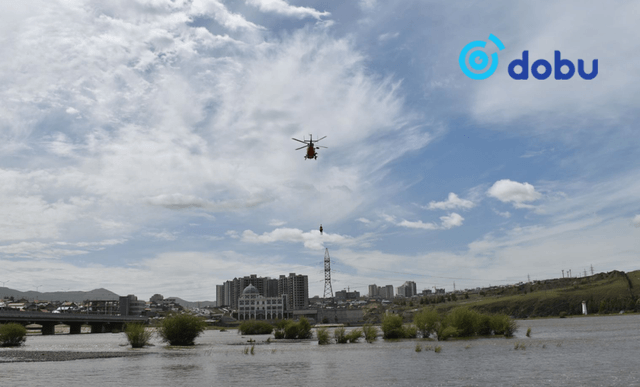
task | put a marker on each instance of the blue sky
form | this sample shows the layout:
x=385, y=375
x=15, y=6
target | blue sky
x=145, y=146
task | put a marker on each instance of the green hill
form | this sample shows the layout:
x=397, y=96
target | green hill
x=604, y=293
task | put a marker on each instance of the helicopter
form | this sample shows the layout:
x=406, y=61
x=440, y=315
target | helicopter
x=311, y=149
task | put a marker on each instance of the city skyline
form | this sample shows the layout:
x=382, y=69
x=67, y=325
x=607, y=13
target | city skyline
x=146, y=145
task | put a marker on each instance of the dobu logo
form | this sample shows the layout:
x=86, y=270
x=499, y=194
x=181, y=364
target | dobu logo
x=558, y=64
x=476, y=64
x=479, y=60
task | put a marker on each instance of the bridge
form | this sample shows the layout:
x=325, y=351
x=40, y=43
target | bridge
x=48, y=321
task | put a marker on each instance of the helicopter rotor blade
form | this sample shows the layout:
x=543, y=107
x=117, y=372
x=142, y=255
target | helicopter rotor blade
x=304, y=142
x=301, y=147
x=318, y=147
x=321, y=138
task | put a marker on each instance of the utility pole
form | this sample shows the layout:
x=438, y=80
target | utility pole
x=563, y=273
x=591, y=269
x=528, y=278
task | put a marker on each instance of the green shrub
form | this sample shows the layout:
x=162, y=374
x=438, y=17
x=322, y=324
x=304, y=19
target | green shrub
x=12, y=335
x=291, y=331
x=354, y=335
x=340, y=335
x=463, y=320
x=287, y=329
x=323, y=336
x=392, y=327
x=426, y=321
x=445, y=332
x=253, y=327
x=529, y=332
x=409, y=332
x=181, y=329
x=503, y=325
x=304, y=329
x=483, y=325
x=281, y=327
x=564, y=314
x=418, y=347
x=137, y=335
x=370, y=333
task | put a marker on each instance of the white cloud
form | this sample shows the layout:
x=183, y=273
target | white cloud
x=419, y=224
x=164, y=235
x=505, y=214
x=281, y=7
x=221, y=14
x=453, y=201
x=636, y=221
x=388, y=36
x=312, y=240
x=448, y=222
x=451, y=220
x=232, y=234
x=513, y=192
x=364, y=220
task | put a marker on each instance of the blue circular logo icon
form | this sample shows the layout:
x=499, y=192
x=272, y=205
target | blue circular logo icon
x=479, y=61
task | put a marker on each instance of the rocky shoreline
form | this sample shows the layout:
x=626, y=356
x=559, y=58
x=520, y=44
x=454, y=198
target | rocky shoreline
x=11, y=356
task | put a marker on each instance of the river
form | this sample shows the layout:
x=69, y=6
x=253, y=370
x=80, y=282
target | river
x=585, y=351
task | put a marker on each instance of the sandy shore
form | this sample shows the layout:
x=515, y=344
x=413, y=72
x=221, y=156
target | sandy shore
x=32, y=356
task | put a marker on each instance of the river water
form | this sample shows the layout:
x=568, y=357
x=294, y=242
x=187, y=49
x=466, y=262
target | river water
x=587, y=351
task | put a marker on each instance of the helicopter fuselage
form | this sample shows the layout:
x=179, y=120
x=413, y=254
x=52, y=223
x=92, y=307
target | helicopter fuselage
x=311, y=152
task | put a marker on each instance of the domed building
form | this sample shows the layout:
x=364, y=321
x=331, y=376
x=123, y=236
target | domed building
x=253, y=306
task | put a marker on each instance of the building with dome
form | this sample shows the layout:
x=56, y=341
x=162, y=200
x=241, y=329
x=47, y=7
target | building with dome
x=253, y=306
x=295, y=287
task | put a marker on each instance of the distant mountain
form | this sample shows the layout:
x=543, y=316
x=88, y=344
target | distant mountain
x=94, y=295
x=194, y=304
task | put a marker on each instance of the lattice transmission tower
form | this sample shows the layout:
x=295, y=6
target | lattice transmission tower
x=328, y=291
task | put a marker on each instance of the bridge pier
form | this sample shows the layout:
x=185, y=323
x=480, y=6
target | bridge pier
x=48, y=328
x=119, y=327
x=98, y=328
x=75, y=328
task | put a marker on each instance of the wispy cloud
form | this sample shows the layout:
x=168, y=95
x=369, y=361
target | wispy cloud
x=447, y=222
x=311, y=239
x=281, y=7
x=453, y=201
